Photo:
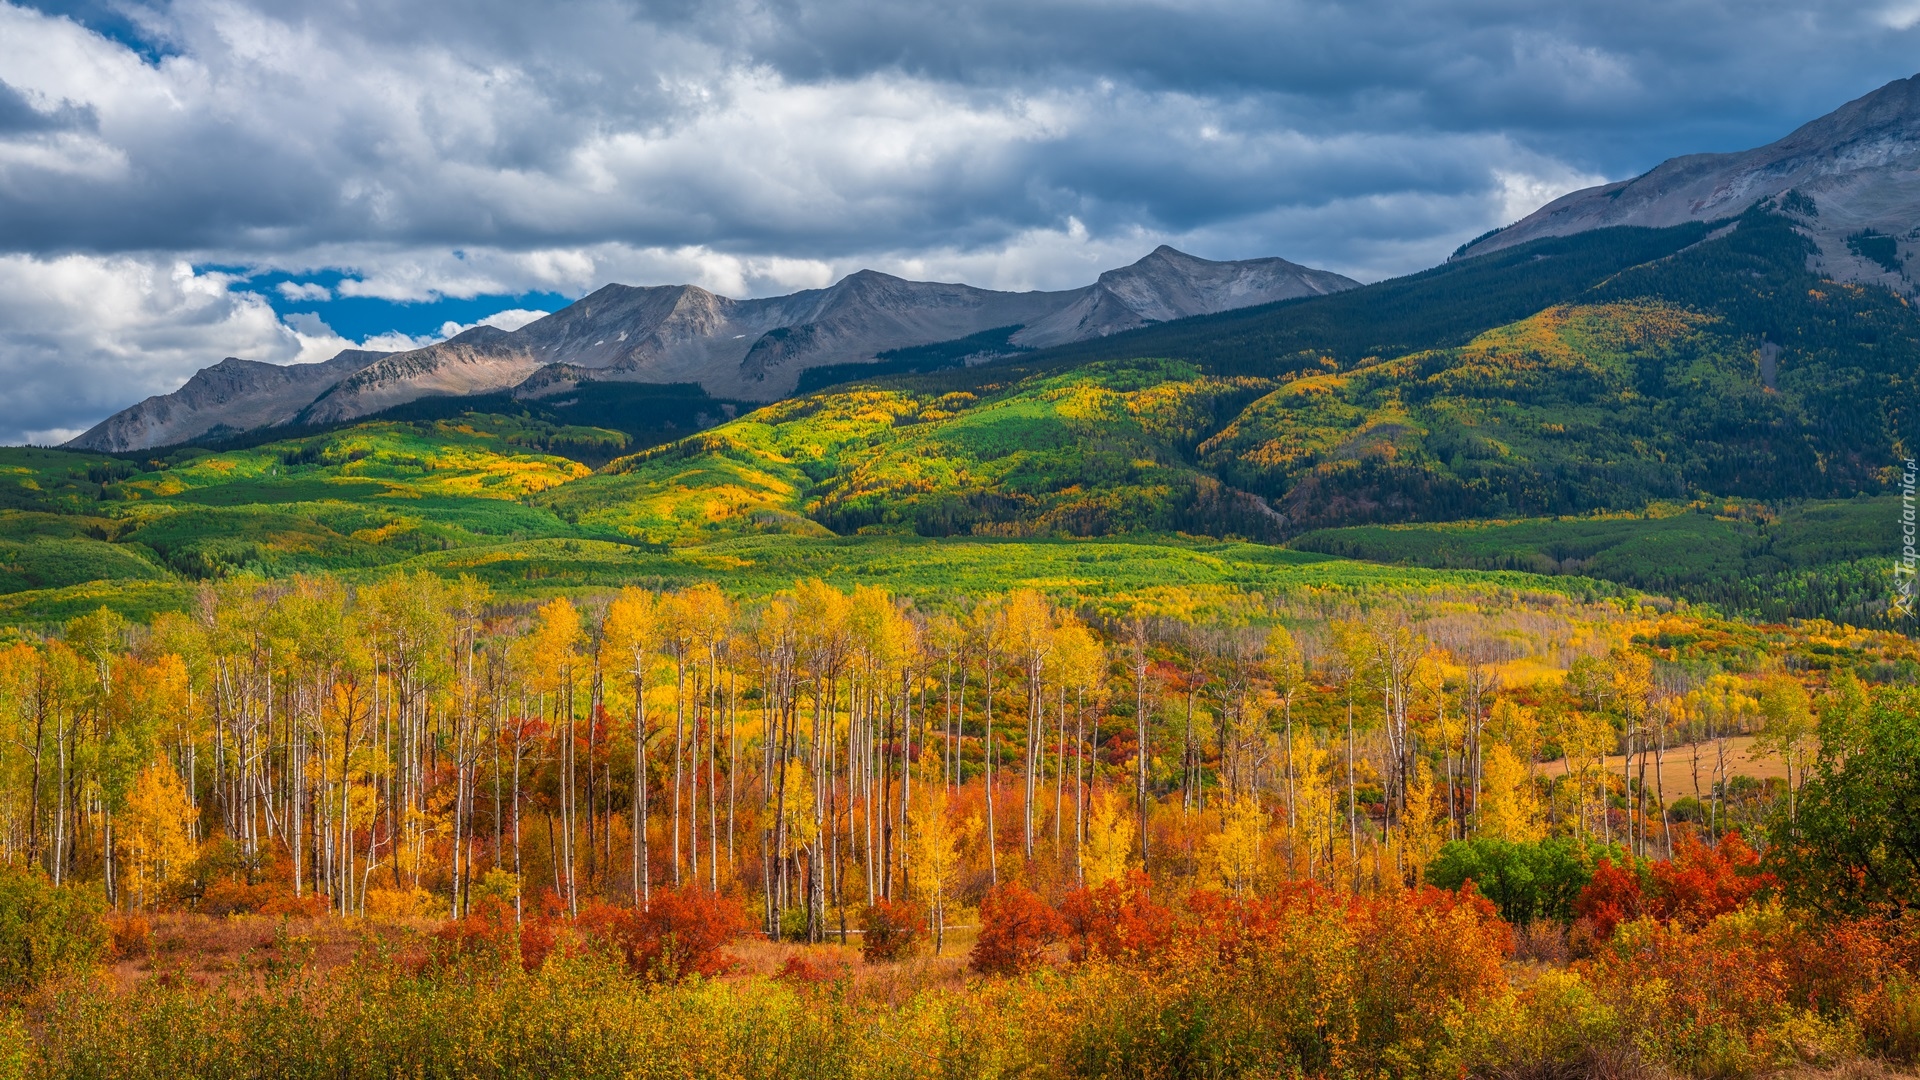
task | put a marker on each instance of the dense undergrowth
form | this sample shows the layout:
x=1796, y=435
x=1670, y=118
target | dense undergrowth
x=1306, y=982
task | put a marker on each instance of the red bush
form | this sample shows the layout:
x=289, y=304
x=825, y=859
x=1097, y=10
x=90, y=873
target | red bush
x=679, y=933
x=1015, y=928
x=888, y=930
x=799, y=969
x=1611, y=898
x=1702, y=883
x=487, y=932
x=1118, y=920
x=1732, y=985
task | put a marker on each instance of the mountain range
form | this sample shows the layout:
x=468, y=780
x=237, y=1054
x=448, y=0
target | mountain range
x=1851, y=178
x=748, y=350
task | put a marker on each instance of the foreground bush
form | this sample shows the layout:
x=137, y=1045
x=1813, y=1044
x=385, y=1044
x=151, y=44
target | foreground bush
x=1308, y=983
x=888, y=930
x=1016, y=927
x=47, y=931
x=679, y=932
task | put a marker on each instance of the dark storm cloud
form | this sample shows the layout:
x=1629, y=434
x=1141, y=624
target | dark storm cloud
x=467, y=123
x=495, y=147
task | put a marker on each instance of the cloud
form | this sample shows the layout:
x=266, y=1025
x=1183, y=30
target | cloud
x=303, y=290
x=407, y=154
x=511, y=319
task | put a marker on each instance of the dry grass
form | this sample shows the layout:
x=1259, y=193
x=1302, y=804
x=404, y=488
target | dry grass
x=241, y=949
x=1676, y=774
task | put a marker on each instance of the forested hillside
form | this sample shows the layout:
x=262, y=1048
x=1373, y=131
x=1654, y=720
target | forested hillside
x=1614, y=372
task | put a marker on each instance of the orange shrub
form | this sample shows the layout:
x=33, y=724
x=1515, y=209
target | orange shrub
x=888, y=930
x=131, y=935
x=1750, y=990
x=1307, y=982
x=1703, y=883
x=232, y=896
x=1016, y=927
x=487, y=932
x=1117, y=920
x=679, y=933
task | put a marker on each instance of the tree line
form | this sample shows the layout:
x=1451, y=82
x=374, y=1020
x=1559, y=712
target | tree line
x=415, y=744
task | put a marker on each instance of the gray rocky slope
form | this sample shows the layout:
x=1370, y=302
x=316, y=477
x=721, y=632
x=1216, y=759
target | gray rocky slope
x=751, y=350
x=1852, y=178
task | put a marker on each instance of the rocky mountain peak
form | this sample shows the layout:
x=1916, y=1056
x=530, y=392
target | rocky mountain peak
x=742, y=349
x=1852, y=173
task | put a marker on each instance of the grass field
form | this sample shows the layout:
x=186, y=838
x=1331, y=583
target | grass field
x=1677, y=773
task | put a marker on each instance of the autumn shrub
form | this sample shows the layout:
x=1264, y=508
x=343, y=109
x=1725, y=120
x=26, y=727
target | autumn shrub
x=1303, y=983
x=1702, y=883
x=47, y=930
x=799, y=968
x=1117, y=920
x=1699, y=884
x=487, y=934
x=130, y=933
x=1016, y=926
x=539, y=936
x=679, y=933
x=1613, y=895
x=889, y=929
x=402, y=903
x=1750, y=990
x=234, y=896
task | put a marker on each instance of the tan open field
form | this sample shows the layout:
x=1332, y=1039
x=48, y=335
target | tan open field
x=1677, y=774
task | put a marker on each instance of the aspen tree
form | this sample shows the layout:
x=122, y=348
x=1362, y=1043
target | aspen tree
x=633, y=633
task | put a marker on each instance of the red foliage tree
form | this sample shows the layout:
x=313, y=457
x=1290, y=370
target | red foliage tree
x=1016, y=926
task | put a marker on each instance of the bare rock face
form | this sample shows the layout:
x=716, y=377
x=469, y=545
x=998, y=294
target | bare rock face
x=1170, y=284
x=232, y=396
x=1852, y=178
x=751, y=350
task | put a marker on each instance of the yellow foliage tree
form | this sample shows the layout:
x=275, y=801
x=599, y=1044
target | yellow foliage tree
x=1509, y=809
x=154, y=836
x=1109, y=844
x=933, y=854
x=1424, y=827
x=1236, y=848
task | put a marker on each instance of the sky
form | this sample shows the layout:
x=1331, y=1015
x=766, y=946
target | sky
x=281, y=179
